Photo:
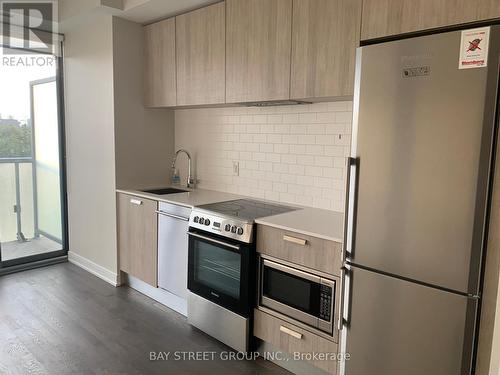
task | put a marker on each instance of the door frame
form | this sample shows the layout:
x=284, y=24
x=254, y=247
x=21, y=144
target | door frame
x=36, y=260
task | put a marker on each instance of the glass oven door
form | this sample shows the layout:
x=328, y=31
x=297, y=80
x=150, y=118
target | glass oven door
x=218, y=270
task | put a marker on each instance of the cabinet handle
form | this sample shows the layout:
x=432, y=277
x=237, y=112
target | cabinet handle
x=295, y=240
x=136, y=201
x=290, y=332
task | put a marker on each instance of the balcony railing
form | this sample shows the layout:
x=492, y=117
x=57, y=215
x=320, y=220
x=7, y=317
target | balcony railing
x=18, y=199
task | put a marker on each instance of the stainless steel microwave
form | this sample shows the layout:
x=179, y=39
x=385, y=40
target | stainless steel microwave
x=303, y=296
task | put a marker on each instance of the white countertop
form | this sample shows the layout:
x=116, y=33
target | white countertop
x=314, y=222
x=309, y=221
x=189, y=199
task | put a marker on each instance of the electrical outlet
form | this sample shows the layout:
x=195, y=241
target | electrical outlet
x=236, y=168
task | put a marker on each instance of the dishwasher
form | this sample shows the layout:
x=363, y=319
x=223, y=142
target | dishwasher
x=173, y=225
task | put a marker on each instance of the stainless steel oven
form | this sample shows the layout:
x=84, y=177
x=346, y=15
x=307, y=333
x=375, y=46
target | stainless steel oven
x=222, y=268
x=219, y=270
x=304, y=296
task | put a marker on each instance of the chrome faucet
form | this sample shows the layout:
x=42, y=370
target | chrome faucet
x=190, y=183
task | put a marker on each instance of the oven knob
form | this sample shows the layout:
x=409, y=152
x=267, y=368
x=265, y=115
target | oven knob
x=201, y=221
x=233, y=229
x=227, y=227
x=207, y=222
x=240, y=231
x=196, y=218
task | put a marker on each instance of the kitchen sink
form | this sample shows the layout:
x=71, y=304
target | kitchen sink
x=164, y=191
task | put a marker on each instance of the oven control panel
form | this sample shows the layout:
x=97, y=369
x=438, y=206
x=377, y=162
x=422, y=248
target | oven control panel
x=235, y=229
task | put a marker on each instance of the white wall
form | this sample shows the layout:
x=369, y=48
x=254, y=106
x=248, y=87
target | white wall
x=112, y=140
x=294, y=154
x=144, y=138
x=90, y=141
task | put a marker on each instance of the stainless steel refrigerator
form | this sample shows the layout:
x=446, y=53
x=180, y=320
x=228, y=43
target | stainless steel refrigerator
x=423, y=139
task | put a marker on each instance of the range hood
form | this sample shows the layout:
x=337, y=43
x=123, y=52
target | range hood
x=275, y=103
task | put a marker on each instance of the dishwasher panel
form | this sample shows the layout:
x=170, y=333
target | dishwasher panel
x=173, y=248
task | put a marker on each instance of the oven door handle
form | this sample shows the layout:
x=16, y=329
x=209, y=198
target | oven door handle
x=235, y=247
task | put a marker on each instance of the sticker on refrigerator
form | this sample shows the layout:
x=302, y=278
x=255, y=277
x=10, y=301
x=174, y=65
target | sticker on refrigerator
x=474, y=48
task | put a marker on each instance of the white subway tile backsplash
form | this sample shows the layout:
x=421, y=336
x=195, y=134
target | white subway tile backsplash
x=314, y=171
x=275, y=138
x=282, y=128
x=307, y=118
x=323, y=161
x=296, y=169
x=259, y=138
x=306, y=139
x=289, y=159
x=259, y=119
x=280, y=168
x=291, y=118
x=266, y=147
x=259, y=156
x=253, y=128
x=274, y=119
x=298, y=129
x=281, y=149
x=305, y=159
x=279, y=187
x=315, y=150
x=343, y=116
x=288, y=178
x=298, y=149
x=316, y=129
x=290, y=139
x=293, y=154
x=334, y=150
x=275, y=158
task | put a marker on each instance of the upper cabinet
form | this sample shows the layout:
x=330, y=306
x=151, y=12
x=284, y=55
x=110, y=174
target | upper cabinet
x=200, y=46
x=325, y=34
x=258, y=44
x=391, y=17
x=159, y=68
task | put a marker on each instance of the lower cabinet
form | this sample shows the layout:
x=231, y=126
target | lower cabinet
x=137, y=237
x=292, y=339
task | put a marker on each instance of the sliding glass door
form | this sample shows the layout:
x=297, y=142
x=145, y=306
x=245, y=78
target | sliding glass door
x=32, y=204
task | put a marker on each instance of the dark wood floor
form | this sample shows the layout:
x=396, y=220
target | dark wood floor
x=62, y=320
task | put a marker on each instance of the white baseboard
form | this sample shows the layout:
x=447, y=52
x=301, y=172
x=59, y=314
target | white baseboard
x=163, y=296
x=93, y=268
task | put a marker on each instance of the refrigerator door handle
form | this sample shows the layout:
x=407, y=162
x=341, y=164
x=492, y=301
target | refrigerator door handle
x=340, y=322
x=349, y=195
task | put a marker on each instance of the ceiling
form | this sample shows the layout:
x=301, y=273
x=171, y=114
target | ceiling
x=140, y=11
x=147, y=11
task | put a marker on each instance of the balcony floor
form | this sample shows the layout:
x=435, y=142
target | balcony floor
x=15, y=249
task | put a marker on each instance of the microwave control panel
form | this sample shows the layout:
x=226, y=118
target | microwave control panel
x=325, y=305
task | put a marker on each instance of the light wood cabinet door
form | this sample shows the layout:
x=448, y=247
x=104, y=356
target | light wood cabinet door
x=201, y=56
x=138, y=237
x=293, y=339
x=325, y=34
x=391, y=17
x=307, y=251
x=159, y=67
x=258, y=45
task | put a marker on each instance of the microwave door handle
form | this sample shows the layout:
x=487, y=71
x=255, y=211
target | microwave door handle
x=208, y=239
x=292, y=271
